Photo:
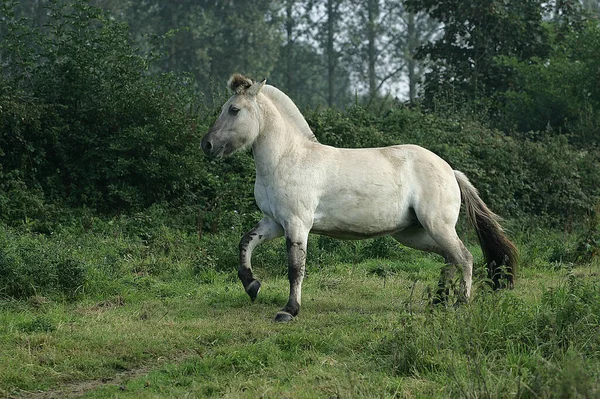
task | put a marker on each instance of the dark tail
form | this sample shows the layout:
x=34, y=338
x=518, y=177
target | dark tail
x=500, y=253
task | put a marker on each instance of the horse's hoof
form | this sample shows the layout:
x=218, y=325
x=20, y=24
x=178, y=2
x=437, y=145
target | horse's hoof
x=283, y=317
x=253, y=289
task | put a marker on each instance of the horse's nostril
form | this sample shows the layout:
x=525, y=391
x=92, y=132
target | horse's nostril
x=207, y=146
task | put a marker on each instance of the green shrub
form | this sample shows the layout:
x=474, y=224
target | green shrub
x=34, y=265
x=83, y=120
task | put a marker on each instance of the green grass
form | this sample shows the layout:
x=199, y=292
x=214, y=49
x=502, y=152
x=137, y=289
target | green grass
x=163, y=315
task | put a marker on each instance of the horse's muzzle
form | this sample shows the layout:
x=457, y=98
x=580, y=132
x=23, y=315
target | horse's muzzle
x=207, y=145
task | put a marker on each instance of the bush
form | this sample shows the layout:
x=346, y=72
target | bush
x=82, y=119
x=33, y=265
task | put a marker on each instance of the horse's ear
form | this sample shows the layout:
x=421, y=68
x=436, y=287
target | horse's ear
x=255, y=88
x=239, y=83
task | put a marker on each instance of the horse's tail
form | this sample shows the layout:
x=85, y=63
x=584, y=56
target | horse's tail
x=500, y=253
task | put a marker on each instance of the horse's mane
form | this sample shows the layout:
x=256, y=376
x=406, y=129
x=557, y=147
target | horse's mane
x=286, y=105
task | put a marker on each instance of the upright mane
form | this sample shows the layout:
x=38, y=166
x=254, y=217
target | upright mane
x=287, y=106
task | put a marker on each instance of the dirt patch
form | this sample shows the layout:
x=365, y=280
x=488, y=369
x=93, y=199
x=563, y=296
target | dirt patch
x=80, y=388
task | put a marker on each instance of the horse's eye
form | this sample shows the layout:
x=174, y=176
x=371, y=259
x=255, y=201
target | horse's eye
x=233, y=110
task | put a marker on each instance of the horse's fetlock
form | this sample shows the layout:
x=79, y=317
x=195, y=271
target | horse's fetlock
x=246, y=277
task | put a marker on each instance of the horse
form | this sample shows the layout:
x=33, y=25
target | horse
x=303, y=186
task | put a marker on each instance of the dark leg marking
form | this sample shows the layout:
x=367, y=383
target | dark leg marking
x=296, y=261
x=253, y=289
x=251, y=285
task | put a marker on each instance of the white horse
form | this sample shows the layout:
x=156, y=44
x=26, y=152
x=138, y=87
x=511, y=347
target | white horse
x=305, y=187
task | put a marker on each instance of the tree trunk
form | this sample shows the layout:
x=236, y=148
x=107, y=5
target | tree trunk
x=330, y=53
x=289, y=63
x=413, y=43
x=373, y=15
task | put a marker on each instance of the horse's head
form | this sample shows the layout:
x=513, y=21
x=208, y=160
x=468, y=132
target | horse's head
x=238, y=124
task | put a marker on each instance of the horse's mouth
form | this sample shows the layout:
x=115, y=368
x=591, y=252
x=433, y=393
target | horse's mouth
x=223, y=152
x=220, y=152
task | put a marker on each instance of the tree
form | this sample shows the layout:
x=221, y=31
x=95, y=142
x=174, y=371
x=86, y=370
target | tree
x=333, y=16
x=211, y=40
x=382, y=41
x=556, y=94
x=420, y=29
x=591, y=6
x=81, y=119
x=373, y=41
x=475, y=32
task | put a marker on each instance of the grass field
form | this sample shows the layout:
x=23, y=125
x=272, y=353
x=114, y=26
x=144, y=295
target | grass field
x=163, y=315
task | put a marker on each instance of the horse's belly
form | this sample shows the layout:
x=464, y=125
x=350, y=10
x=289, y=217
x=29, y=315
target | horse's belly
x=356, y=223
x=349, y=234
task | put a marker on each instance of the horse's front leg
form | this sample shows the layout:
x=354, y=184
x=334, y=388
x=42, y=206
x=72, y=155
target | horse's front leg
x=296, y=242
x=266, y=229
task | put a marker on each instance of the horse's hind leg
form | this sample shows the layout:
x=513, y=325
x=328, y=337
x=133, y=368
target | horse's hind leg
x=266, y=229
x=445, y=242
x=417, y=237
x=455, y=255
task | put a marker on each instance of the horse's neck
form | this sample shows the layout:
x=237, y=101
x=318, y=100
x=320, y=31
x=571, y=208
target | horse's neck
x=289, y=112
x=281, y=135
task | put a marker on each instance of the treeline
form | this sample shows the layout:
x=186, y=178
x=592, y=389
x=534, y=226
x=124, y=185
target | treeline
x=88, y=120
x=320, y=52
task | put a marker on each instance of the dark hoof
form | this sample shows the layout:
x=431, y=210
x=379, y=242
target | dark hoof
x=253, y=289
x=283, y=317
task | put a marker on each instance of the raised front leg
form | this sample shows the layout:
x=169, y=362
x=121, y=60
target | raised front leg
x=267, y=229
x=296, y=250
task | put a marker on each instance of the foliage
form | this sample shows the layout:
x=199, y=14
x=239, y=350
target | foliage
x=83, y=121
x=474, y=34
x=558, y=92
x=209, y=40
x=30, y=265
x=588, y=248
x=528, y=65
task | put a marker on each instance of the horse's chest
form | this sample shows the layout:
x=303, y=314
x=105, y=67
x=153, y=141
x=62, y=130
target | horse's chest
x=262, y=193
x=277, y=200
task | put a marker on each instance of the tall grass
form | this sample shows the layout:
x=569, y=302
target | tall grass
x=502, y=345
